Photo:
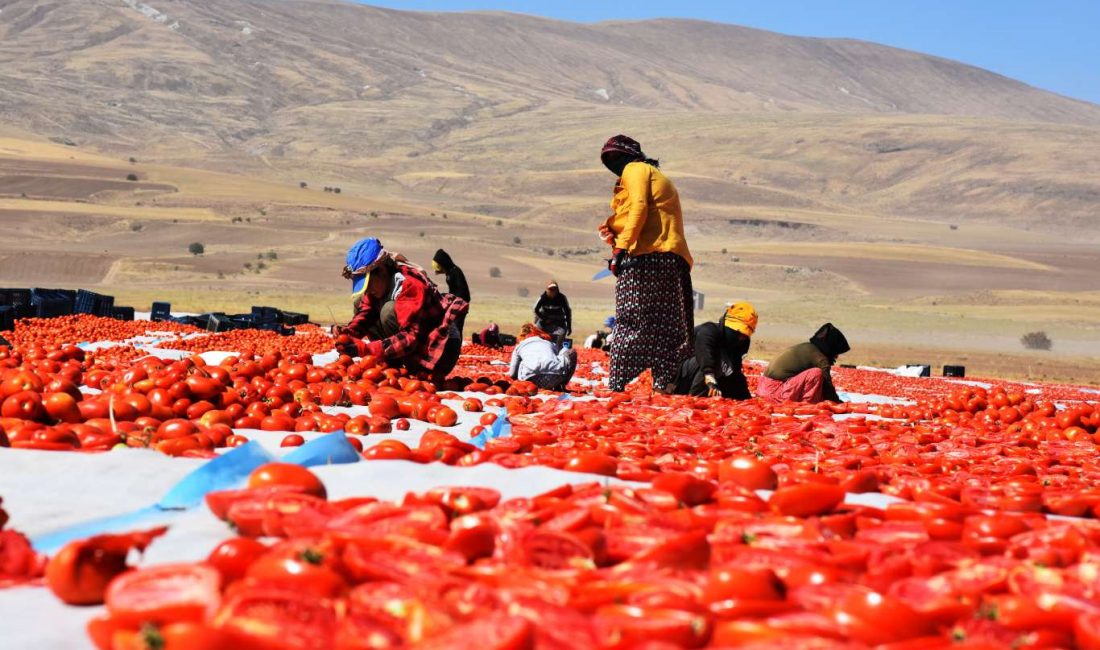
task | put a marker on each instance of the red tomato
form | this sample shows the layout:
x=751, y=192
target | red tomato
x=79, y=573
x=233, y=557
x=592, y=462
x=274, y=474
x=165, y=593
x=292, y=440
x=806, y=499
x=748, y=471
x=259, y=617
x=303, y=574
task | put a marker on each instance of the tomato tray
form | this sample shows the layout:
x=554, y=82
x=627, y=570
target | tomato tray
x=483, y=513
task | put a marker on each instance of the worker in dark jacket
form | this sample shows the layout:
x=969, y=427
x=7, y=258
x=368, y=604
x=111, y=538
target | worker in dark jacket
x=553, y=314
x=802, y=373
x=715, y=369
x=456, y=281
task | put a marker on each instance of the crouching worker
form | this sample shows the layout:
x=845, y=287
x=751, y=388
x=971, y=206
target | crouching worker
x=536, y=358
x=802, y=373
x=400, y=316
x=720, y=347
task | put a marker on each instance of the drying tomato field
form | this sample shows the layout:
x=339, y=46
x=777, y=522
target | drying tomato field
x=311, y=500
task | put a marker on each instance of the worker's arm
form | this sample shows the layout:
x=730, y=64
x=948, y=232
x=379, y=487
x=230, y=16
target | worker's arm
x=366, y=315
x=636, y=179
x=538, y=306
x=828, y=391
x=568, y=316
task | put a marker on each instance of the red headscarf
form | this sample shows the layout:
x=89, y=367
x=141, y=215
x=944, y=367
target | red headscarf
x=623, y=145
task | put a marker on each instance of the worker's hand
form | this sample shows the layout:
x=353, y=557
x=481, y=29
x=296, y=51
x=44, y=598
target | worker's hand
x=712, y=386
x=337, y=330
x=606, y=235
x=617, y=257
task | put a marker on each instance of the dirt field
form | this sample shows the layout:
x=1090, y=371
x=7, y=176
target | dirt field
x=906, y=290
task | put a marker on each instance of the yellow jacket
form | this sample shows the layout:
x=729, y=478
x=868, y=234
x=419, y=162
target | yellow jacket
x=647, y=215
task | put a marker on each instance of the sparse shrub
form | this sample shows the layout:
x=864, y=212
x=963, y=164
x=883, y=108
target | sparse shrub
x=260, y=266
x=374, y=214
x=499, y=222
x=259, y=256
x=444, y=215
x=954, y=227
x=248, y=219
x=236, y=220
x=196, y=248
x=248, y=265
x=132, y=160
x=221, y=275
x=303, y=185
x=1036, y=341
x=131, y=177
x=421, y=233
x=551, y=252
x=517, y=240
x=336, y=190
x=523, y=292
x=263, y=212
x=136, y=227
x=494, y=272
x=724, y=251
x=272, y=255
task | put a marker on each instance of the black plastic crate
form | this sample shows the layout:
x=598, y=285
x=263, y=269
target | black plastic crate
x=264, y=314
x=105, y=306
x=25, y=311
x=161, y=311
x=123, y=313
x=219, y=323
x=38, y=296
x=294, y=318
x=15, y=297
x=86, y=302
x=7, y=318
x=279, y=328
x=52, y=308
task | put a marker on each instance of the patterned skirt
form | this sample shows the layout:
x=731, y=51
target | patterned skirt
x=654, y=318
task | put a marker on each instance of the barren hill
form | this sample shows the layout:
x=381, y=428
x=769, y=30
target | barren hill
x=919, y=201
x=392, y=99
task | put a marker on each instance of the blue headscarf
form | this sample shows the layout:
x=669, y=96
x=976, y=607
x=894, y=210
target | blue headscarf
x=610, y=322
x=361, y=256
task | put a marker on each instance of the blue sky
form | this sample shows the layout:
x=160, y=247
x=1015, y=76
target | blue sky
x=1052, y=44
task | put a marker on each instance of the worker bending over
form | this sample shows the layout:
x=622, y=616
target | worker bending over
x=715, y=369
x=400, y=315
x=538, y=359
x=802, y=373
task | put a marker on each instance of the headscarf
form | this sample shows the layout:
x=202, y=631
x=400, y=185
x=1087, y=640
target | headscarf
x=609, y=323
x=363, y=257
x=741, y=317
x=624, y=145
x=830, y=341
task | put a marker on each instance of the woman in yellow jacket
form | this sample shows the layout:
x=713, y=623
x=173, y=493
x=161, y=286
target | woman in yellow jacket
x=653, y=299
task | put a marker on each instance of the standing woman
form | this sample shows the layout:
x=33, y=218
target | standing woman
x=653, y=299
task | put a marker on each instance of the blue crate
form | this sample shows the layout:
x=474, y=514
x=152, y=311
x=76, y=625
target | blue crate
x=7, y=318
x=161, y=311
x=38, y=296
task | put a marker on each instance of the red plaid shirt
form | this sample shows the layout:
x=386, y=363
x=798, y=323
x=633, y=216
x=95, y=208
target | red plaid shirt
x=424, y=317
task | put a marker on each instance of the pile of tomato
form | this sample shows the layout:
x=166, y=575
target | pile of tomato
x=307, y=339
x=683, y=563
x=967, y=556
